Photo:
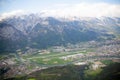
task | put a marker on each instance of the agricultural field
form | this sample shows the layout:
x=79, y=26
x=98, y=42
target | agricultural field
x=54, y=58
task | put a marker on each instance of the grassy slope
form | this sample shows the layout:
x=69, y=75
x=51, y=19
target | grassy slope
x=71, y=72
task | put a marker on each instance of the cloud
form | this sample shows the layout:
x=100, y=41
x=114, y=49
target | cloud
x=78, y=10
x=10, y=14
x=86, y=10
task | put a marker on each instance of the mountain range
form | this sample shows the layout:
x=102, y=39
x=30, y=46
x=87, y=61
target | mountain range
x=37, y=31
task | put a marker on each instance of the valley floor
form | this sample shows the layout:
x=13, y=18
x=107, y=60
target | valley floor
x=94, y=55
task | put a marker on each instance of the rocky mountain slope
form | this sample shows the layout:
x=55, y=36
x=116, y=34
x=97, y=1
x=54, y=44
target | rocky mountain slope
x=37, y=31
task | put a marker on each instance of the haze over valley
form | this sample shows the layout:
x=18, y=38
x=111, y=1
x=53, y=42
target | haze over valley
x=71, y=40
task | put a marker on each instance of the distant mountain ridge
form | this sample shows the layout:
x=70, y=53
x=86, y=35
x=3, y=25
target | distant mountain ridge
x=40, y=32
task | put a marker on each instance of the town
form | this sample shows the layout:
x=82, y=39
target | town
x=31, y=60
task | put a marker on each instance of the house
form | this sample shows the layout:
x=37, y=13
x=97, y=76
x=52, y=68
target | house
x=97, y=65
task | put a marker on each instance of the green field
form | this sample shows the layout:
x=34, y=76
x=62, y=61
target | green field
x=53, y=58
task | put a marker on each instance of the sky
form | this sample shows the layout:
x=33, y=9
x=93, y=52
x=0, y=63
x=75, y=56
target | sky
x=84, y=8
